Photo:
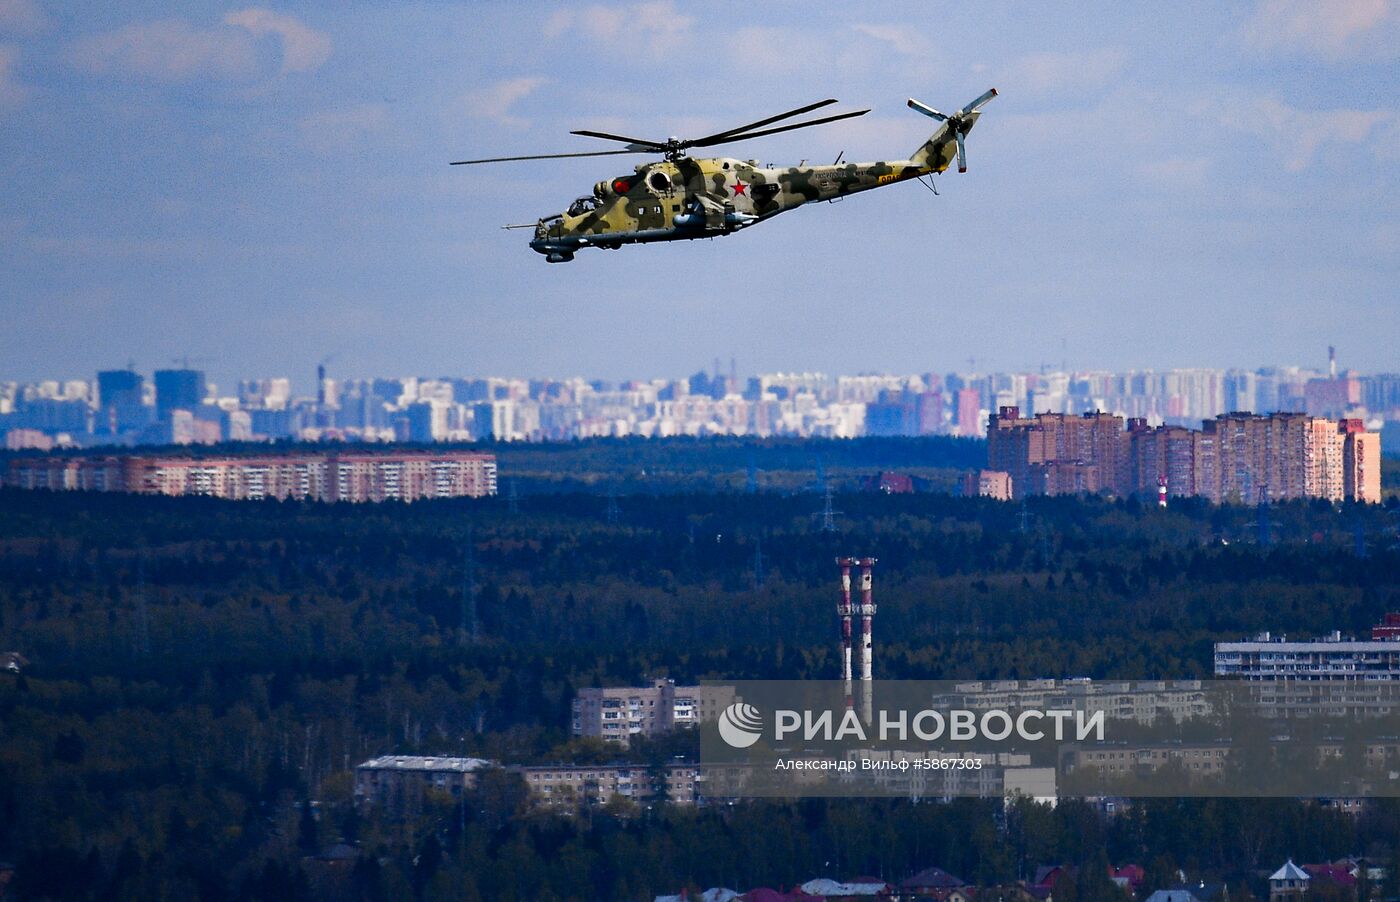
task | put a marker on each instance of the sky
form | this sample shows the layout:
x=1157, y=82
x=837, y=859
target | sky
x=258, y=188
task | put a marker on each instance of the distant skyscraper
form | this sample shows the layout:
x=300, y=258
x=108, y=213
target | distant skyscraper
x=178, y=390
x=119, y=401
x=969, y=412
x=427, y=421
x=494, y=420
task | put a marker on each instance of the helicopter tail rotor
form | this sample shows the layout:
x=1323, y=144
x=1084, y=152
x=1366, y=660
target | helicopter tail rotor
x=958, y=125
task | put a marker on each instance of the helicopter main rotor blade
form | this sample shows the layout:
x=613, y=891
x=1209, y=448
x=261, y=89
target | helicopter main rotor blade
x=549, y=156
x=634, y=143
x=697, y=142
x=773, y=131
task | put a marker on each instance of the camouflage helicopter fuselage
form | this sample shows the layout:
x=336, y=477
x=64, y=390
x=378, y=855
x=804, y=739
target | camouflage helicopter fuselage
x=684, y=198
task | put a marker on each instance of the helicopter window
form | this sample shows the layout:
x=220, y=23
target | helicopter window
x=726, y=165
x=659, y=181
x=583, y=205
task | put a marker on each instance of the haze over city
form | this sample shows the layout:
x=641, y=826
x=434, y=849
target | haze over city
x=259, y=188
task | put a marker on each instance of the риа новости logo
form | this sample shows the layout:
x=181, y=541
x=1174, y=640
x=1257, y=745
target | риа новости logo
x=740, y=725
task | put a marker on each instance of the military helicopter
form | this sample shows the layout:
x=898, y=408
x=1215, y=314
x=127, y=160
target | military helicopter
x=682, y=197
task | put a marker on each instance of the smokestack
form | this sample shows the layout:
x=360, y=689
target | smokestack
x=867, y=616
x=1332, y=361
x=843, y=610
x=1161, y=491
x=321, y=384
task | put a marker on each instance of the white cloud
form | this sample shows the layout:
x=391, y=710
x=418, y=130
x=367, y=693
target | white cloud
x=12, y=93
x=1388, y=140
x=657, y=29
x=337, y=131
x=1335, y=29
x=1055, y=73
x=167, y=50
x=900, y=38
x=22, y=17
x=303, y=48
x=174, y=50
x=495, y=101
x=1178, y=171
x=769, y=49
x=1296, y=135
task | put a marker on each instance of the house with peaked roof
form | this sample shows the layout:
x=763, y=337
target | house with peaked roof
x=1289, y=883
x=854, y=888
x=1128, y=878
x=1337, y=874
x=1047, y=874
x=933, y=884
x=1194, y=892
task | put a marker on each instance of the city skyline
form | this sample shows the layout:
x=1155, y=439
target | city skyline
x=181, y=406
x=235, y=182
x=302, y=376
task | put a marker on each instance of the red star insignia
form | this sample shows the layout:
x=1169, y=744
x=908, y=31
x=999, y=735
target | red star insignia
x=739, y=187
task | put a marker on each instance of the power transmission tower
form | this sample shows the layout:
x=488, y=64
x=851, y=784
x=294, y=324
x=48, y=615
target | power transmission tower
x=512, y=499
x=751, y=483
x=471, y=627
x=612, y=514
x=828, y=514
x=1025, y=517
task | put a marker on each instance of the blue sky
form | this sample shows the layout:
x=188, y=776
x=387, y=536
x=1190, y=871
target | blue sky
x=259, y=187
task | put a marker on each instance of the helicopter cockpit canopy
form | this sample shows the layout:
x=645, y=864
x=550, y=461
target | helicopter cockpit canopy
x=583, y=205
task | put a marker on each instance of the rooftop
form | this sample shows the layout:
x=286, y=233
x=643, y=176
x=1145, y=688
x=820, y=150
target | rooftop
x=417, y=762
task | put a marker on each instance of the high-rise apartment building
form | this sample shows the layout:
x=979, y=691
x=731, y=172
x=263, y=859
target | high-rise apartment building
x=1361, y=462
x=969, y=412
x=1056, y=453
x=1235, y=457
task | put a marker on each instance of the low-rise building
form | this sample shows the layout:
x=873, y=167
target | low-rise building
x=570, y=784
x=400, y=781
x=1269, y=657
x=1289, y=883
x=339, y=475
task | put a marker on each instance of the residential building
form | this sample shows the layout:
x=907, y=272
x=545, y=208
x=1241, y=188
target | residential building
x=1288, y=884
x=1056, y=453
x=987, y=484
x=1266, y=657
x=619, y=713
x=339, y=475
x=1235, y=457
x=570, y=784
x=399, y=782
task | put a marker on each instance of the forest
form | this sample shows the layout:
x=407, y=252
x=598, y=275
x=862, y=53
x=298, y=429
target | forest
x=201, y=676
